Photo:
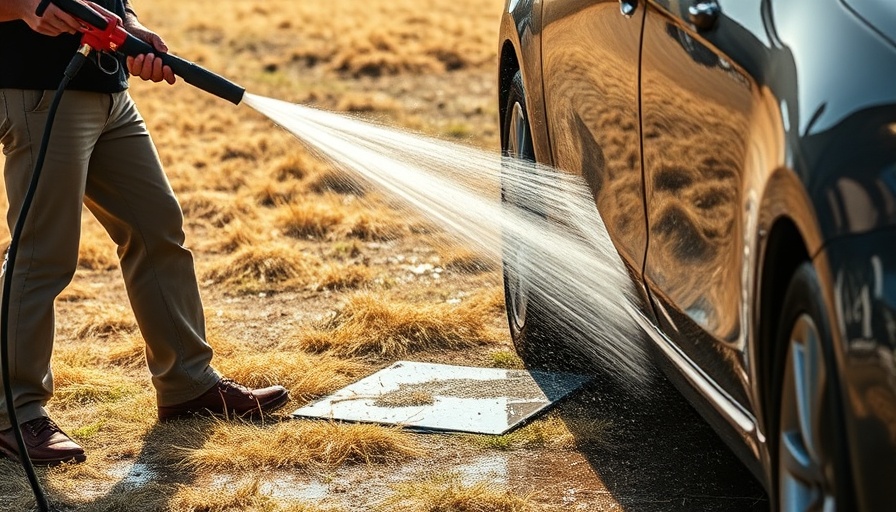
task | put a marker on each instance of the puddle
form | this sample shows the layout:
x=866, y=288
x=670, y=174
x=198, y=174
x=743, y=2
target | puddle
x=362, y=488
x=281, y=484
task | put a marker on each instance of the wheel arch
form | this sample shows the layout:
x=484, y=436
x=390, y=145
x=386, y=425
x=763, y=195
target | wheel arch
x=785, y=250
x=787, y=233
x=508, y=66
x=519, y=47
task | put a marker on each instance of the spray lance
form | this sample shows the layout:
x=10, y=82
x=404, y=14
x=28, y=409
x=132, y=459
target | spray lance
x=102, y=32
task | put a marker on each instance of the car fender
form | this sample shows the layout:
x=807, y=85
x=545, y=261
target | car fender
x=520, y=48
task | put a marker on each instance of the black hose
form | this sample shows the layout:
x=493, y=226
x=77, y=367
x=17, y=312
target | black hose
x=73, y=67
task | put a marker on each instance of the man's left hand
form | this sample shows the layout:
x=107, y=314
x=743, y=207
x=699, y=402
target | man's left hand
x=148, y=66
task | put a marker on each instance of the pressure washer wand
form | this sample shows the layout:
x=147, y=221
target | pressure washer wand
x=103, y=32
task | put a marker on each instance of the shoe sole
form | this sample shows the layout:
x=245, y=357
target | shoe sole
x=274, y=404
x=14, y=456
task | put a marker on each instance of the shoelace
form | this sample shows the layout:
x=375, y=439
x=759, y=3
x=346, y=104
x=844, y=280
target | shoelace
x=232, y=387
x=39, y=425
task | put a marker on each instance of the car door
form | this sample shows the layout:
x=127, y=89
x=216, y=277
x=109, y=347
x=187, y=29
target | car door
x=590, y=63
x=700, y=108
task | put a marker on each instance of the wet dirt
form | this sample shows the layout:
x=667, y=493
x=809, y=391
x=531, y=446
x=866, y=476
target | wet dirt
x=659, y=457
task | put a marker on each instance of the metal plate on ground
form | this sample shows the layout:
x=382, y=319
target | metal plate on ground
x=439, y=397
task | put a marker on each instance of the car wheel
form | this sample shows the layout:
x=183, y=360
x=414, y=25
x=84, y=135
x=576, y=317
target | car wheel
x=810, y=471
x=526, y=312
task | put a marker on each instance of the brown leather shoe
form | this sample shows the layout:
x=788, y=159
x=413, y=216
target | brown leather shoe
x=47, y=444
x=229, y=399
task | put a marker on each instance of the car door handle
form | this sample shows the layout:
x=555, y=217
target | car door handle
x=628, y=7
x=704, y=13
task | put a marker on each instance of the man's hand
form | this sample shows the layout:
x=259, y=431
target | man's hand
x=148, y=66
x=53, y=23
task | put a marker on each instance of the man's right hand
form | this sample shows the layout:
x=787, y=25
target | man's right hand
x=53, y=23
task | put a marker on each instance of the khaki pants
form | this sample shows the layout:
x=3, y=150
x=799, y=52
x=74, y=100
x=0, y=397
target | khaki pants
x=100, y=155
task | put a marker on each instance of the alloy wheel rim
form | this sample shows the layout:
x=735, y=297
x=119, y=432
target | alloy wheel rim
x=518, y=258
x=804, y=471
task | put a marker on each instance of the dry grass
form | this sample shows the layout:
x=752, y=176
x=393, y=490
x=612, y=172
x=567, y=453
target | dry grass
x=369, y=326
x=107, y=322
x=448, y=493
x=307, y=376
x=398, y=37
x=77, y=292
x=271, y=194
x=253, y=269
x=80, y=385
x=97, y=257
x=371, y=224
x=97, y=251
x=234, y=236
x=248, y=497
x=303, y=445
x=464, y=260
x=310, y=219
x=342, y=277
x=129, y=352
x=216, y=208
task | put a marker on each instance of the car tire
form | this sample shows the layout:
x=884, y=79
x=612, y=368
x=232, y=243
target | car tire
x=810, y=449
x=527, y=314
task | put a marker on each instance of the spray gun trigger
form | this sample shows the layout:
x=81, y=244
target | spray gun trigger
x=115, y=64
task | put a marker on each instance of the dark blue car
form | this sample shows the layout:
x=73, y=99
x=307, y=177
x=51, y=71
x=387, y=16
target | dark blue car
x=742, y=154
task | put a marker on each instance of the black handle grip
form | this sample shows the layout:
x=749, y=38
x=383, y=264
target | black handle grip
x=190, y=72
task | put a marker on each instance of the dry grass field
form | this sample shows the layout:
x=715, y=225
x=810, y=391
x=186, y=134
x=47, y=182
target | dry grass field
x=309, y=279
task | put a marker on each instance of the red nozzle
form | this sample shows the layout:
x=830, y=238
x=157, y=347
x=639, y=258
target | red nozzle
x=104, y=39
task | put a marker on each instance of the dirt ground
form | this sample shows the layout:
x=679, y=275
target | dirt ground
x=283, y=246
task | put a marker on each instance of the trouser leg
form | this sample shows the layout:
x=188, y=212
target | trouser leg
x=48, y=247
x=129, y=194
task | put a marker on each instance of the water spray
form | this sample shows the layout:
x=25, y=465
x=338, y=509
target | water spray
x=102, y=32
x=587, y=285
x=573, y=262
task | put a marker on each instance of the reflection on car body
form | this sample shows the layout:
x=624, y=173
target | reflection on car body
x=746, y=172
